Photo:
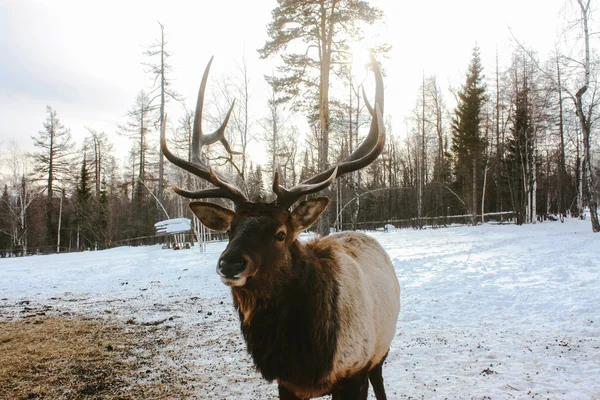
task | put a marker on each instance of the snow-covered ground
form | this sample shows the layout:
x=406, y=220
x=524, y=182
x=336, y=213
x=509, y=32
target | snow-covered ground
x=491, y=311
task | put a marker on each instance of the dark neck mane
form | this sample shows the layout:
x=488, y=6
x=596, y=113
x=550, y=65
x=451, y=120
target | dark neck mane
x=290, y=326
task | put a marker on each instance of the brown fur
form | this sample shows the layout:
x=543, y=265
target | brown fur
x=289, y=319
x=313, y=314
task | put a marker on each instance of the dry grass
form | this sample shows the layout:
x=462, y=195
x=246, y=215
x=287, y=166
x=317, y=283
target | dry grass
x=76, y=358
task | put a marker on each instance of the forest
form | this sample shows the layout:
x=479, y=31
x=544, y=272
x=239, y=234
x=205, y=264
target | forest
x=518, y=145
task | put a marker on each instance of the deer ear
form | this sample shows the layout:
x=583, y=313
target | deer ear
x=214, y=217
x=307, y=212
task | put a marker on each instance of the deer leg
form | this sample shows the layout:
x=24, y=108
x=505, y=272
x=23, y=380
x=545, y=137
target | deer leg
x=355, y=387
x=376, y=378
x=285, y=394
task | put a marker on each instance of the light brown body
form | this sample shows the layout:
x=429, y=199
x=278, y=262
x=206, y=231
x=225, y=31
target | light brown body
x=368, y=303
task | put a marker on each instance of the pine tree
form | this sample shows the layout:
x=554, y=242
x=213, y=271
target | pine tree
x=313, y=38
x=136, y=128
x=260, y=190
x=519, y=154
x=103, y=217
x=83, y=186
x=468, y=144
x=84, y=206
x=52, y=162
x=307, y=169
x=6, y=221
x=256, y=190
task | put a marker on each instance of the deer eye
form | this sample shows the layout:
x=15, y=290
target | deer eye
x=280, y=236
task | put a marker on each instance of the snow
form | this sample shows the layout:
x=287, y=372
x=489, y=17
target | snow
x=493, y=311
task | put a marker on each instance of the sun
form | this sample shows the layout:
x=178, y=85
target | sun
x=360, y=56
x=360, y=51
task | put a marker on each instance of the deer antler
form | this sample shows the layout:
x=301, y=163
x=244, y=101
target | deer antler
x=364, y=155
x=196, y=166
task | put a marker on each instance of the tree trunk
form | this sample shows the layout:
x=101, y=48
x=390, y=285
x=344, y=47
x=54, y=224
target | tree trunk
x=23, y=214
x=585, y=122
x=244, y=132
x=592, y=203
x=51, y=162
x=562, y=173
x=49, y=187
x=356, y=174
x=274, y=136
x=141, y=172
x=441, y=162
x=534, y=186
x=499, y=144
x=526, y=186
x=485, y=171
x=587, y=173
x=548, y=169
x=422, y=163
x=579, y=176
x=60, y=208
x=474, y=192
x=161, y=166
x=326, y=35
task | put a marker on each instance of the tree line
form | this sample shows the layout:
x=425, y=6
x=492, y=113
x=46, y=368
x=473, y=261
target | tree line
x=519, y=141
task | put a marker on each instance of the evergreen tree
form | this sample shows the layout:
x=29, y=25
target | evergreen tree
x=313, y=38
x=84, y=186
x=519, y=155
x=6, y=221
x=53, y=162
x=84, y=207
x=256, y=190
x=307, y=171
x=136, y=128
x=103, y=217
x=99, y=151
x=468, y=144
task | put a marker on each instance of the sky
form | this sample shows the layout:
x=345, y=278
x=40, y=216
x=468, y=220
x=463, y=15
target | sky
x=85, y=58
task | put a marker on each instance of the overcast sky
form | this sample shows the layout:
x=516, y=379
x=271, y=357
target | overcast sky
x=84, y=58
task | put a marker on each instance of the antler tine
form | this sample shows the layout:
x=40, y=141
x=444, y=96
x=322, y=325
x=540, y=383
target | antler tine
x=197, y=128
x=365, y=154
x=198, y=170
x=287, y=197
x=199, y=139
x=212, y=193
x=223, y=188
x=373, y=141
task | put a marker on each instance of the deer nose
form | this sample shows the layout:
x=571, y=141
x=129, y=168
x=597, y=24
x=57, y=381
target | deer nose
x=232, y=268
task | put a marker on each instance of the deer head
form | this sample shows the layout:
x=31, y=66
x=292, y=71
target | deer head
x=263, y=236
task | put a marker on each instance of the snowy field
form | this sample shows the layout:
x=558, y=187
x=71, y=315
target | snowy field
x=490, y=312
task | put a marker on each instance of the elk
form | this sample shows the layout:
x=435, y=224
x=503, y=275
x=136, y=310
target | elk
x=318, y=316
